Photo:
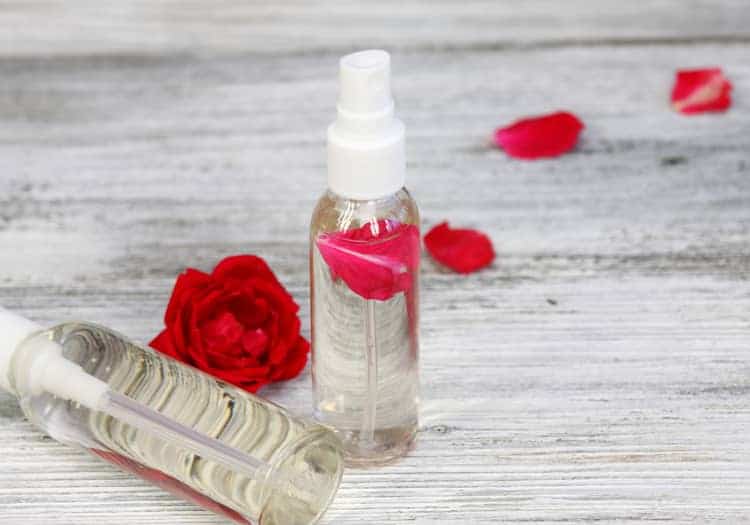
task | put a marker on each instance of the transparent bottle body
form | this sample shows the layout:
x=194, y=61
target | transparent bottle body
x=364, y=349
x=293, y=448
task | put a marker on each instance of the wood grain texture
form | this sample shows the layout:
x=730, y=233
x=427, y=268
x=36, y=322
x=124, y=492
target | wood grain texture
x=598, y=372
x=157, y=27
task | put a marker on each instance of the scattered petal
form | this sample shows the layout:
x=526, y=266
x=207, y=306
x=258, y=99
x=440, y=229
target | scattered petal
x=701, y=90
x=543, y=136
x=461, y=250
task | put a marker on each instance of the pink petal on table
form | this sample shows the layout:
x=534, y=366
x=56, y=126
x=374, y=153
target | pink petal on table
x=461, y=250
x=701, y=90
x=537, y=137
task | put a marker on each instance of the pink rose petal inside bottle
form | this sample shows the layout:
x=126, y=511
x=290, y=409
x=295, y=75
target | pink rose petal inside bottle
x=376, y=261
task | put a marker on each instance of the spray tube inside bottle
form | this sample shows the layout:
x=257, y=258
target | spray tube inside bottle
x=35, y=366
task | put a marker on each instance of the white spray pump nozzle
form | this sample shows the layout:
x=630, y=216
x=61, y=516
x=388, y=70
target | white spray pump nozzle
x=366, y=158
x=13, y=330
x=365, y=82
x=41, y=365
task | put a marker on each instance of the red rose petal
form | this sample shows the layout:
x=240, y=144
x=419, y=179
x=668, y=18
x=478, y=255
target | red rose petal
x=186, y=285
x=253, y=386
x=254, y=342
x=296, y=363
x=250, y=311
x=278, y=298
x=543, y=136
x=701, y=90
x=207, y=302
x=223, y=331
x=239, y=375
x=376, y=261
x=284, y=342
x=461, y=250
x=163, y=343
x=239, y=268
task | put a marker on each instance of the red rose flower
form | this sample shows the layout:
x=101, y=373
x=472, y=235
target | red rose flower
x=238, y=324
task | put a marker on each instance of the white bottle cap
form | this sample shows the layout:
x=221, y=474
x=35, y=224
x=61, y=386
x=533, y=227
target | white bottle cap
x=13, y=330
x=366, y=158
x=42, y=367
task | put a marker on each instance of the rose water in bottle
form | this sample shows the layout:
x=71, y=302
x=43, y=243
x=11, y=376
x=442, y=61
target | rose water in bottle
x=185, y=431
x=364, y=269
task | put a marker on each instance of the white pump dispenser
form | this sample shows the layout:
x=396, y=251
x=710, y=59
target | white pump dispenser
x=366, y=158
x=13, y=330
x=43, y=367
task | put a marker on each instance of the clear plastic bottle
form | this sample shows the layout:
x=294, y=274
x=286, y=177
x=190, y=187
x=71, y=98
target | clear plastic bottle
x=364, y=274
x=229, y=451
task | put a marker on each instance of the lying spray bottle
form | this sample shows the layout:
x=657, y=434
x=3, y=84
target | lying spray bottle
x=185, y=431
x=364, y=269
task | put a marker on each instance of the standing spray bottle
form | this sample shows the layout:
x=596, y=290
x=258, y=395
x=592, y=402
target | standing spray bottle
x=364, y=273
x=187, y=432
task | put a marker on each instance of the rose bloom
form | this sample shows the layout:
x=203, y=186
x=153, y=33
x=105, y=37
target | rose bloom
x=237, y=323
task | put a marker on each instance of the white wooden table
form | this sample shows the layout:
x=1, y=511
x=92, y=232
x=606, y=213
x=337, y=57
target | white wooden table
x=599, y=371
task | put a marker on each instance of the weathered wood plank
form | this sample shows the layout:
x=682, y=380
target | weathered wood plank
x=83, y=27
x=597, y=372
